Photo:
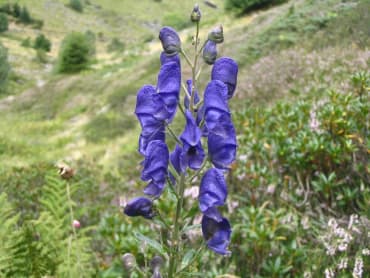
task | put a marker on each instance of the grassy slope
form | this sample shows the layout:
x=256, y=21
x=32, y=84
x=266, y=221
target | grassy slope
x=90, y=116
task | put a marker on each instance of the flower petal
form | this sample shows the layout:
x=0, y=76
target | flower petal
x=226, y=70
x=217, y=234
x=170, y=41
x=212, y=192
x=140, y=206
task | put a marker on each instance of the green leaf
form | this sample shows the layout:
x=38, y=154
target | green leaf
x=151, y=242
x=187, y=258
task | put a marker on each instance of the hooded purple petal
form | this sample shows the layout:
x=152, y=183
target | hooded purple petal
x=221, y=150
x=217, y=234
x=226, y=70
x=145, y=139
x=186, y=99
x=140, y=206
x=215, y=97
x=164, y=58
x=169, y=85
x=192, y=153
x=155, y=167
x=210, y=52
x=170, y=41
x=212, y=193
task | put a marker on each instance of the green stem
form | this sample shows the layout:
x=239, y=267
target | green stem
x=186, y=58
x=73, y=227
x=178, y=141
x=175, y=241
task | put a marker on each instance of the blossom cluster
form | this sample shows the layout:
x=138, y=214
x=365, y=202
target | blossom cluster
x=208, y=135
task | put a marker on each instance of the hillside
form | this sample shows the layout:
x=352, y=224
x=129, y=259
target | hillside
x=290, y=56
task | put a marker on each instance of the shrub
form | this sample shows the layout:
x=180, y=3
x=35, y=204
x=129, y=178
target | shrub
x=3, y=22
x=244, y=6
x=74, y=54
x=16, y=10
x=25, y=16
x=76, y=5
x=42, y=42
x=4, y=67
x=6, y=8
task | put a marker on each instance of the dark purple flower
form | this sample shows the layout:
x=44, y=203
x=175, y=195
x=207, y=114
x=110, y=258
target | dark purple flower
x=152, y=114
x=155, y=167
x=222, y=150
x=212, y=193
x=226, y=70
x=192, y=151
x=175, y=158
x=140, y=206
x=169, y=84
x=186, y=99
x=217, y=234
x=210, y=52
x=164, y=58
x=170, y=41
x=215, y=104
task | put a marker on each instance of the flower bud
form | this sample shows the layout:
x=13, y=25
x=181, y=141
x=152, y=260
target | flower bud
x=140, y=206
x=195, y=15
x=210, y=52
x=156, y=263
x=128, y=261
x=217, y=34
x=76, y=224
x=170, y=41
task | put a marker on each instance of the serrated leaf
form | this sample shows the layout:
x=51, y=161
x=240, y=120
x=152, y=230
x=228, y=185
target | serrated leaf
x=151, y=242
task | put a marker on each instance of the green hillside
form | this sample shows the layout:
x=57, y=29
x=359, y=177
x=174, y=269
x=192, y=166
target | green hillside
x=292, y=57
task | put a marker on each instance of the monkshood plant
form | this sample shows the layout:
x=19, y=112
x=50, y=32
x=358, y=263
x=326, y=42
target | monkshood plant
x=203, y=151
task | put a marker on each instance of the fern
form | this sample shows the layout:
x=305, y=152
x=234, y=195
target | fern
x=48, y=245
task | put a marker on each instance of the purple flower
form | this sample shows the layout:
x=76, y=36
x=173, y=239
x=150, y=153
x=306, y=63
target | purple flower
x=152, y=113
x=186, y=99
x=217, y=35
x=140, y=206
x=164, y=58
x=155, y=167
x=170, y=41
x=169, y=83
x=175, y=158
x=212, y=193
x=215, y=103
x=217, y=234
x=222, y=150
x=210, y=52
x=226, y=70
x=192, y=152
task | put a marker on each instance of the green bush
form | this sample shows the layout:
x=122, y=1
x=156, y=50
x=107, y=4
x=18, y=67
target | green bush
x=25, y=16
x=6, y=8
x=42, y=42
x=243, y=6
x=3, y=22
x=76, y=5
x=16, y=11
x=4, y=67
x=74, y=53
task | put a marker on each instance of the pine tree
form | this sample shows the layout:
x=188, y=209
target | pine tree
x=25, y=16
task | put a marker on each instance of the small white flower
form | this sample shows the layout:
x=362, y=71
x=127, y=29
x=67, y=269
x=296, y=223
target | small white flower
x=343, y=263
x=329, y=273
x=358, y=268
x=366, y=252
